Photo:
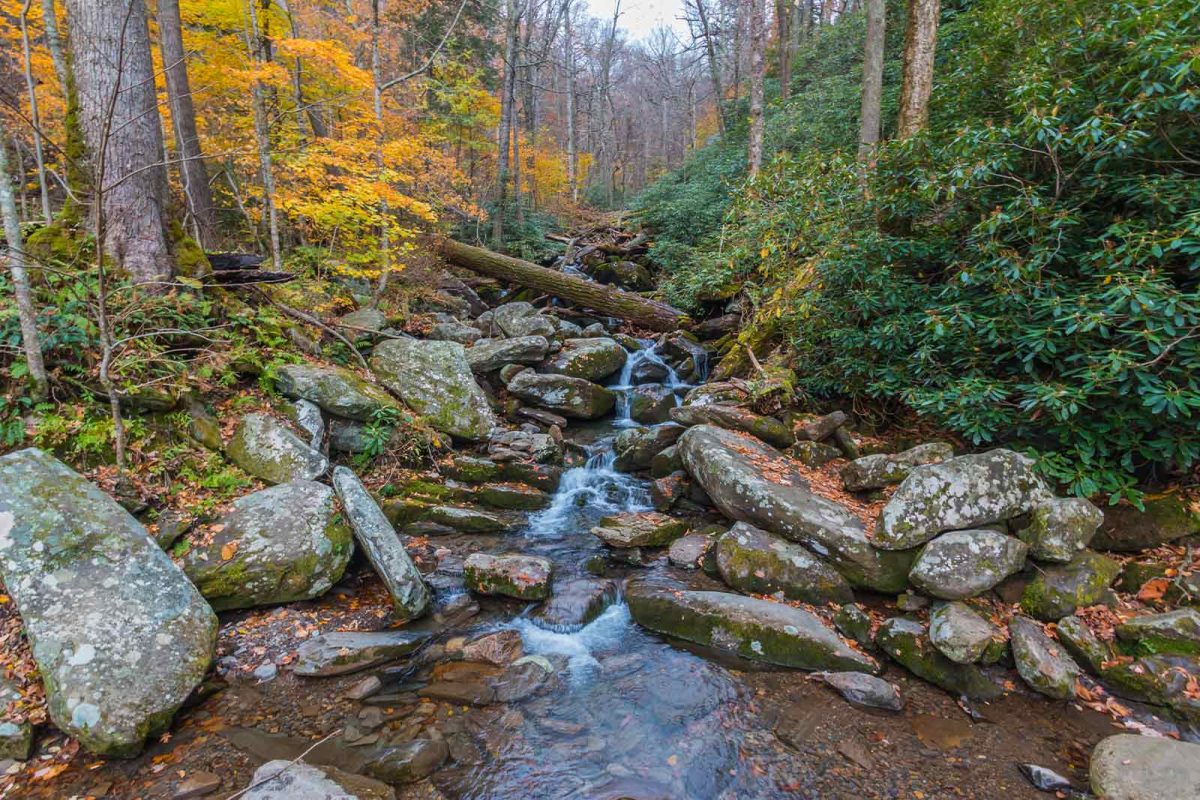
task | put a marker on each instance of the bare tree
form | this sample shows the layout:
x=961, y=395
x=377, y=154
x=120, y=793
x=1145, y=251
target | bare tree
x=259, y=42
x=754, y=148
x=920, y=45
x=34, y=115
x=512, y=23
x=705, y=33
x=785, y=13
x=872, y=84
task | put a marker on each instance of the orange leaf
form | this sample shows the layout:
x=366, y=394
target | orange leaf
x=228, y=550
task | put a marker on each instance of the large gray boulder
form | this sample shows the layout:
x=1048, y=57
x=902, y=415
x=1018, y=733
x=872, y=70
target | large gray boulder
x=636, y=448
x=336, y=390
x=492, y=354
x=883, y=469
x=265, y=448
x=503, y=317
x=282, y=544
x=572, y=397
x=1042, y=662
x=964, y=492
x=751, y=482
x=435, y=380
x=769, y=429
x=756, y=629
x=1129, y=767
x=377, y=538
x=120, y=637
x=962, y=564
x=590, y=359
x=455, y=331
x=1060, y=529
x=756, y=562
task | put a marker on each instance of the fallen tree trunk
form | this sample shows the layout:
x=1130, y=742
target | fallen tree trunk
x=585, y=294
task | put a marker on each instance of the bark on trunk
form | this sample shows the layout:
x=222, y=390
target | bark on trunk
x=572, y=158
x=110, y=44
x=714, y=66
x=54, y=45
x=192, y=171
x=260, y=46
x=757, y=45
x=505, y=134
x=585, y=294
x=783, y=26
x=34, y=116
x=920, y=44
x=872, y=86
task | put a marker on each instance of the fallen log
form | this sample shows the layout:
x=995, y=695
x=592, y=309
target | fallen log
x=585, y=294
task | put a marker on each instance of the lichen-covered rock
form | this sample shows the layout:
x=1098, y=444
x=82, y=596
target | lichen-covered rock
x=752, y=482
x=769, y=429
x=908, y=644
x=880, y=470
x=1059, y=529
x=336, y=390
x=467, y=520
x=1088, y=649
x=455, y=331
x=962, y=564
x=572, y=397
x=723, y=393
x=756, y=629
x=536, y=325
x=120, y=637
x=16, y=740
x=308, y=418
x=964, y=492
x=820, y=428
x=279, y=545
x=510, y=575
x=296, y=780
x=342, y=652
x=1166, y=518
x=491, y=354
x=756, y=562
x=1160, y=680
x=1058, y=590
x=1175, y=631
x=512, y=497
x=865, y=690
x=365, y=320
x=639, y=529
x=385, y=551
x=636, y=448
x=590, y=359
x=690, y=551
x=435, y=381
x=651, y=404
x=503, y=317
x=853, y=622
x=959, y=633
x=511, y=445
x=1129, y=767
x=1041, y=661
x=266, y=449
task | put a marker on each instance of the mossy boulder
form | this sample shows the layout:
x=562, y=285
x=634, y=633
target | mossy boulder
x=466, y=519
x=512, y=497
x=855, y=623
x=907, y=643
x=958, y=493
x=510, y=575
x=962, y=635
x=639, y=529
x=768, y=429
x=119, y=635
x=756, y=562
x=1160, y=680
x=1080, y=641
x=336, y=390
x=487, y=355
x=814, y=454
x=1059, y=529
x=575, y=398
x=1058, y=590
x=749, y=627
x=962, y=564
x=752, y=482
x=265, y=448
x=1175, y=631
x=666, y=462
x=636, y=448
x=1042, y=662
x=651, y=404
x=279, y=545
x=435, y=381
x=879, y=470
x=470, y=469
x=1165, y=518
x=590, y=359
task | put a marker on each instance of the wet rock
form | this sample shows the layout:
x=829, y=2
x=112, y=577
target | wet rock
x=756, y=562
x=722, y=393
x=855, y=624
x=1175, y=631
x=717, y=327
x=385, y=551
x=689, y=355
x=818, y=429
x=487, y=355
x=196, y=784
x=1043, y=779
x=572, y=397
x=1160, y=680
x=962, y=564
x=1059, y=529
x=1166, y=518
x=500, y=648
x=666, y=492
x=666, y=461
x=455, y=332
x=542, y=417
x=336, y=390
x=964, y=492
x=768, y=429
x=1058, y=590
x=512, y=497
x=880, y=470
x=636, y=448
x=467, y=520
x=908, y=644
x=1128, y=767
x=865, y=690
x=279, y=545
x=751, y=482
x=651, y=404
x=364, y=688
x=266, y=449
x=435, y=381
x=1041, y=661
x=689, y=551
x=575, y=603
x=639, y=529
x=296, y=780
x=1084, y=646
x=814, y=454
x=590, y=359
x=647, y=371
x=308, y=418
x=959, y=633
x=756, y=629
x=522, y=679
x=120, y=637
x=342, y=652
x=511, y=575
x=16, y=740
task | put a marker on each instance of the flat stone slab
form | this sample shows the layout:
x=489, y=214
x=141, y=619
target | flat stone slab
x=296, y=780
x=342, y=652
x=512, y=575
x=639, y=529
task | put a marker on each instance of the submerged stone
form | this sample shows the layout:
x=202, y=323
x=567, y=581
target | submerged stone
x=908, y=644
x=1041, y=661
x=962, y=564
x=435, y=380
x=756, y=562
x=408, y=762
x=266, y=449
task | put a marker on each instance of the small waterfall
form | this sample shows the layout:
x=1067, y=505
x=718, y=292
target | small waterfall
x=595, y=486
x=624, y=384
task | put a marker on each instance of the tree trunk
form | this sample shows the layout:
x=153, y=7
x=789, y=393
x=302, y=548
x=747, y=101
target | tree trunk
x=585, y=294
x=192, y=172
x=110, y=44
x=26, y=313
x=714, y=67
x=503, y=140
x=572, y=157
x=34, y=116
x=385, y=245
x=758, y=37
x=872, y=85
x=920, y=45
x=826, y=13
x=54, y=45
x=783, y=27
x=260, y=48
